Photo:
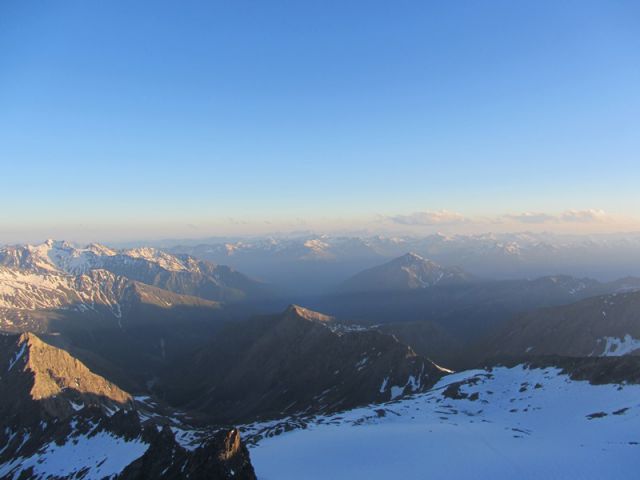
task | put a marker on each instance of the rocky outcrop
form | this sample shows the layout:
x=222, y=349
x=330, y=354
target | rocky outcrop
x=221, y=457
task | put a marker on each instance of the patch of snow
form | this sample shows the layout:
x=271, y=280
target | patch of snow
x=616, y=347
x=396, y=392
x=188, y=439
x=18, y=355
x=383, y=387
x=164, y=260
x=361, y=364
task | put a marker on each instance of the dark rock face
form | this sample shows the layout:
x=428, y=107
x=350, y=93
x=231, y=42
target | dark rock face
x=223, y=456
x=295, y=362
x=602, y=325
x=430, y=340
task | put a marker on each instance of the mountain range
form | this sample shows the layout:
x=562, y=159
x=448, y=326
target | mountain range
x=142, y=363
x=180, y=274
x=309, y=264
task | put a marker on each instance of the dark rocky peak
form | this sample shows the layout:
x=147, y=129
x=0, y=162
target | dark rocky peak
x=223, y=456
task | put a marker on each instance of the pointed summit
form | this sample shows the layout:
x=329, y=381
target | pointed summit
x=408, y=272
x=411, y=258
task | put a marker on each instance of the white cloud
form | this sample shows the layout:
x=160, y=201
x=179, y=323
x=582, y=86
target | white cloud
x=426, y=218
x=569, y=216
x=585, y=216
x=530, y=217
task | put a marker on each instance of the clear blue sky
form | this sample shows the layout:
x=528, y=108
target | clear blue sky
x=189, y=111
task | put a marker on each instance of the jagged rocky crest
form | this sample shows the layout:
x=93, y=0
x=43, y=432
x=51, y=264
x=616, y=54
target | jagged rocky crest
x=293, y=362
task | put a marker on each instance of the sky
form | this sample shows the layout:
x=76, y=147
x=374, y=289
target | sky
x=122, y=120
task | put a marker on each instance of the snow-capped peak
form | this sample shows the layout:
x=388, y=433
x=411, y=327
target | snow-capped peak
x=164, y=260
x=55, y=256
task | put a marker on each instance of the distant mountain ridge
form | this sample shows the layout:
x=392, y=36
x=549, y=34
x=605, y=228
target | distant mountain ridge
x=312, y=263
x=28, y=298
x=407, y=272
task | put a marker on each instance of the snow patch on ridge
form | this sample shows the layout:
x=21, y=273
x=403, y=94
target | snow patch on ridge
x=617, y=347
x=18, y=355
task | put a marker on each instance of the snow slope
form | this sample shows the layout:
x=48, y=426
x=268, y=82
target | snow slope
x=28, y=290
x=523, y=423
x=94, y=456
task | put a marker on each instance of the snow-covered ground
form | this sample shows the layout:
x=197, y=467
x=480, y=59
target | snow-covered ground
x=85, y=456
x=525, y=424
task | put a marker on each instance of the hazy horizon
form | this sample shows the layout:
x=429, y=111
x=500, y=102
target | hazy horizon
x=110, y=236
x=423, y=223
